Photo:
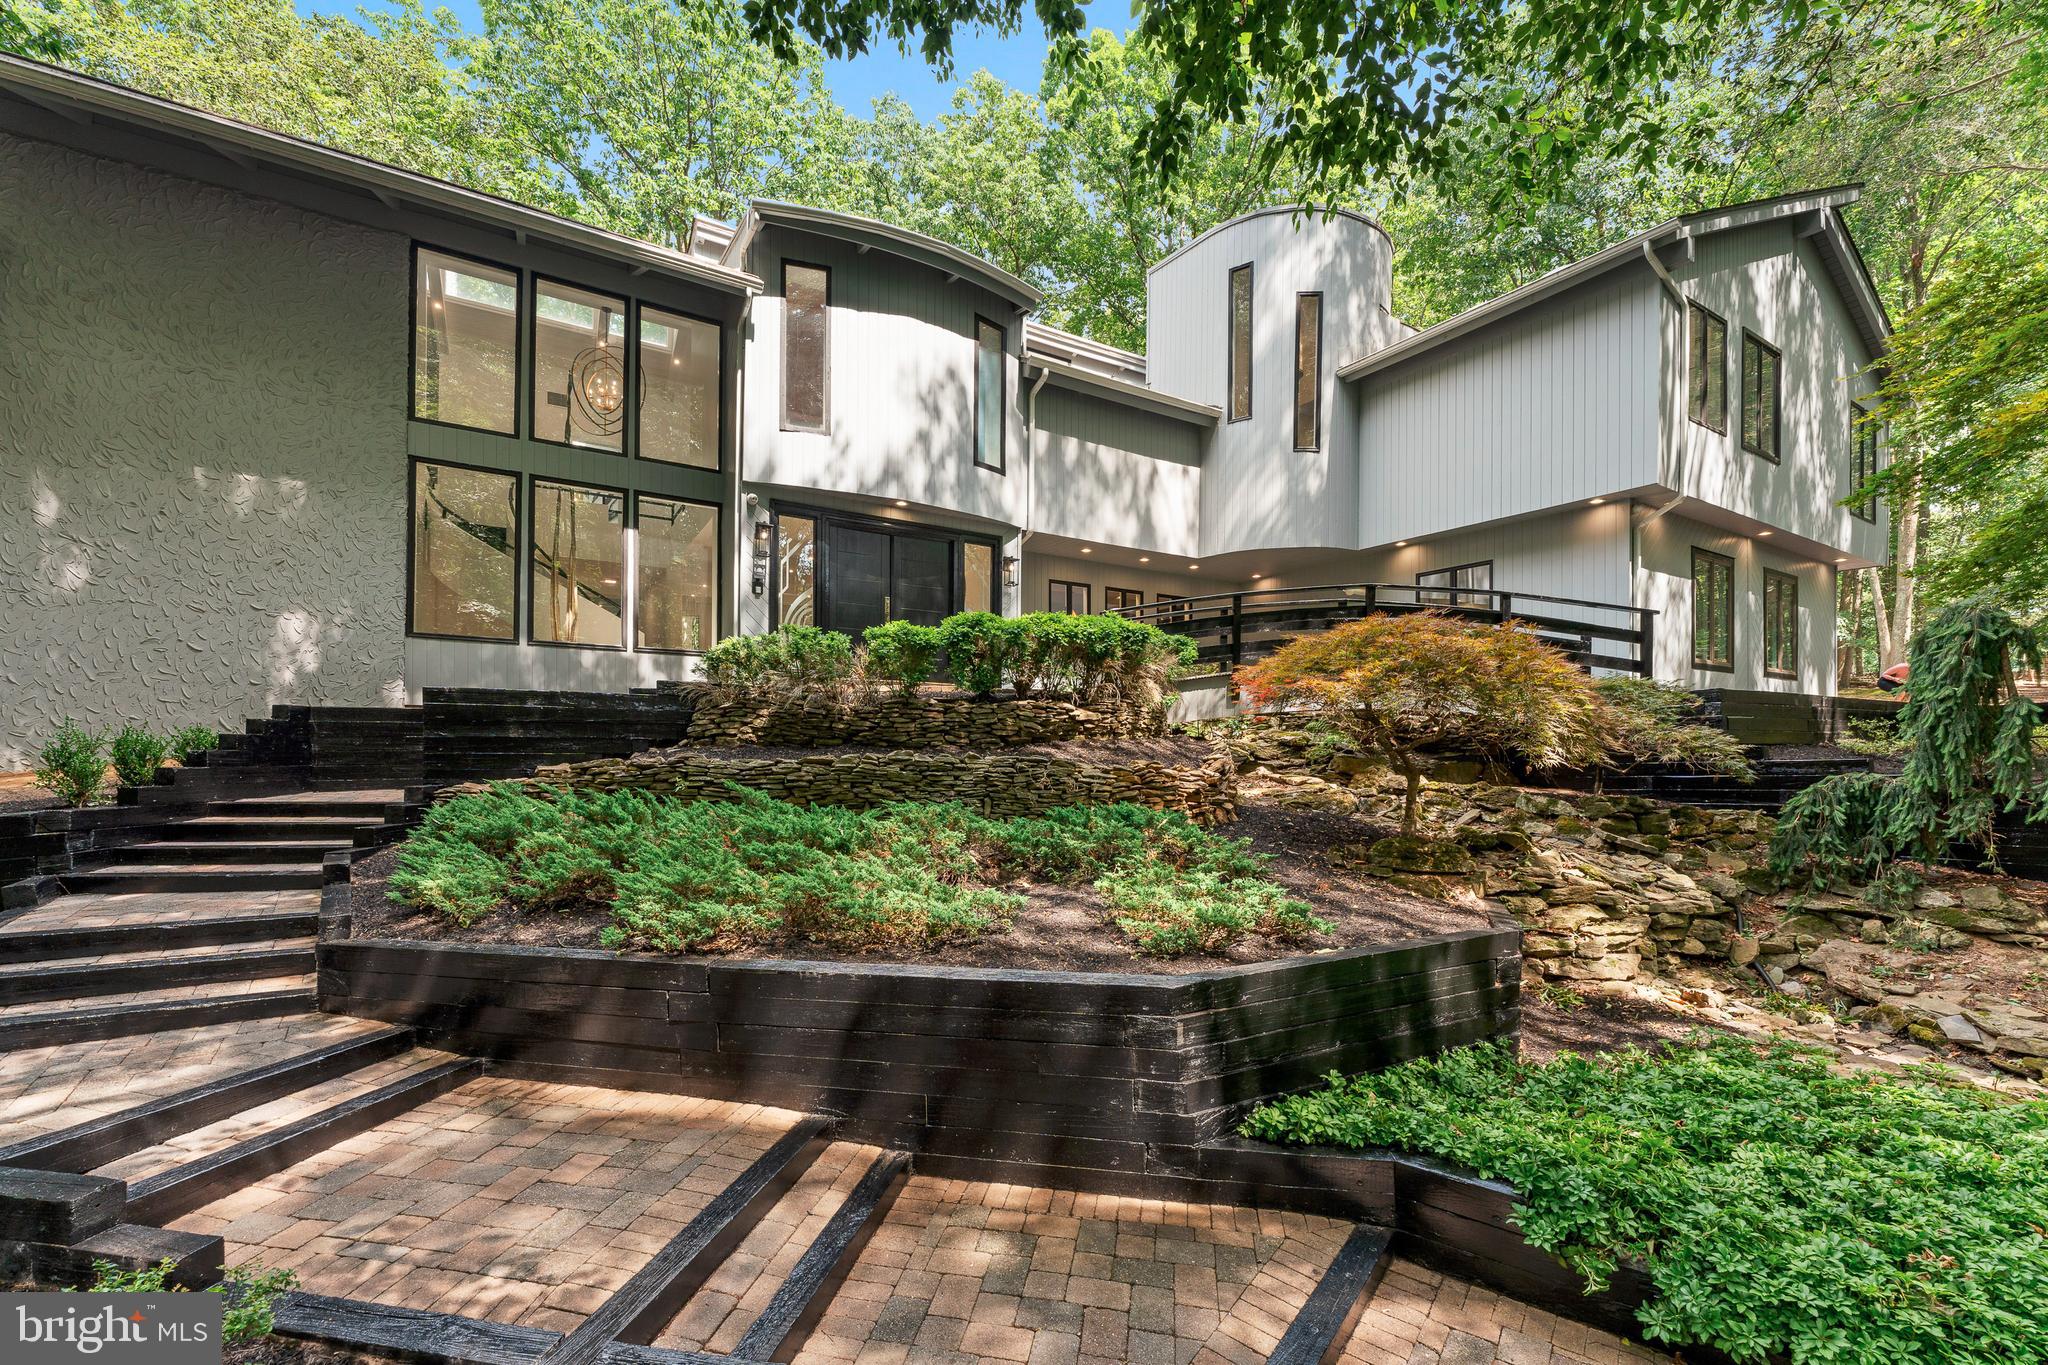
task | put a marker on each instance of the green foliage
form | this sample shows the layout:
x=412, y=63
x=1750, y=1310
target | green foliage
x=903, y=651
x=1781, y=1211
x=1657, y=722
x=72, y=766
x=137, y=755
x=981, y=650
x=250, y=1290
x=716, y=875
x=1970, y=737
x=193, y=739
x=790, y=659
x=1873, y=736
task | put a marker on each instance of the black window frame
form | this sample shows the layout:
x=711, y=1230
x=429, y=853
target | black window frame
x=1784, y=623
x=1862, y=429
x=1452, y=590
x=519, y=530
x=1728, y=563
x=1133, y=597
x=824, y=427
x=1695, y=364
x=718, y=561
x=1776, y=453
x=1316, y=389
x=412, y=346
x=530, y=364
x=1001, y=465
x=626, y=512
x=637, y=394
x=1070, y=584
x=1230, y=342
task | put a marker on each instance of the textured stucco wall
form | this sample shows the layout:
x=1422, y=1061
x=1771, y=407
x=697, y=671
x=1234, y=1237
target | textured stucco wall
x=202, y=451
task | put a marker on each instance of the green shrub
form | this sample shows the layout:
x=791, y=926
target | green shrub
x=788, y=659
x=73, y=765
x=716, y=875
x=251, y=1293
x=138, y=754
x=1658, y=722
x=1780, y=1210
x=192, y=740
x=981, y=650
x=1878, y=736
x=902, y=651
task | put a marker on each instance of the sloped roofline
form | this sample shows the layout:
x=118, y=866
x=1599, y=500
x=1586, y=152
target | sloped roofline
x=1352, y=214
x=1844, y=261
x=897, y=241
x=86, y=98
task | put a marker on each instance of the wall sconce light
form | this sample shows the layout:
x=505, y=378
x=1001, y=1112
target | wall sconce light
x=761, y=558
x=1009, y=571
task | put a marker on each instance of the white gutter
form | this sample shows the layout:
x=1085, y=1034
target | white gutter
x=1656, y=264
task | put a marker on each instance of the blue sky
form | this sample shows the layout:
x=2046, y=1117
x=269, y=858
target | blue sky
x=855, y=83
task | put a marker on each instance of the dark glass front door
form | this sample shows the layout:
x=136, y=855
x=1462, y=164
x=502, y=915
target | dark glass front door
x=871, y=576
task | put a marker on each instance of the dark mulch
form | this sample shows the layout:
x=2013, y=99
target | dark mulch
x=1599, y=1024
x=18, y=800
x=1059, y=928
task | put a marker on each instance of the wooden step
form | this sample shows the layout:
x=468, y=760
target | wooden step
x=48, y=1028
x=47, y=945
x=126, y=877
x=1324, y=1323
x=24, y=983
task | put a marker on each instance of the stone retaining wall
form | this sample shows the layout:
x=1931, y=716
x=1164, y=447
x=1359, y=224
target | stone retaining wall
x=919, y=721
x=1002, y=782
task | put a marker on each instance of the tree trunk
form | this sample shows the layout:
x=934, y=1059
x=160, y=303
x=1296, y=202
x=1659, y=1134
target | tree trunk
x=1895, y=629
x=1411, y=808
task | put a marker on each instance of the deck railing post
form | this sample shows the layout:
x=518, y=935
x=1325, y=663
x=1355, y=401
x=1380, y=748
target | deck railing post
x=1507, y=607
x=1236, y=628
x=1646, y=658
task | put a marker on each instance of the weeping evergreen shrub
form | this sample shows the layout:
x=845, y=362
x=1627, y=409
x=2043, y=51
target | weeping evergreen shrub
x=1972, y=755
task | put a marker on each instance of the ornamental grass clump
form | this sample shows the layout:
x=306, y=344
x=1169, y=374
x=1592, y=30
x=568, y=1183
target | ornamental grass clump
x=1780, y=1211
x=719, y=875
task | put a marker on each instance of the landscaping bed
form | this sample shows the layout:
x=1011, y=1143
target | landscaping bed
x=1058, y=926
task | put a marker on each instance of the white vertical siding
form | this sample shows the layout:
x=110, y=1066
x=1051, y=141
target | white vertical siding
x=1664, y=581
x=1550, y=407
x=1116, y=475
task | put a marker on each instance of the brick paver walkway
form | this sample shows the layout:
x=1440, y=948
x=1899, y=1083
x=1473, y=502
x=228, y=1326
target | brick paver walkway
x=113, y=909
x=46, y=1088
x=503, y=1199
x=1419, y=1317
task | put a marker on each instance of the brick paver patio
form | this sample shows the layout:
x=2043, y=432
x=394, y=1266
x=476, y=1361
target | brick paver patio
x=503, y=1199
x=1419, y=1317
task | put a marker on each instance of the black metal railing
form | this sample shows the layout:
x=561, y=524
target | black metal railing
x=1230, y=628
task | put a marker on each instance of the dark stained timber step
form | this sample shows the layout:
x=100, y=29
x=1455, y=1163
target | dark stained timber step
x=1320, y=1329
x=47, y=1029
x=96, y=1142
x=43, y=945
x=26, y=985
x=163, y=877
x=417, y=1334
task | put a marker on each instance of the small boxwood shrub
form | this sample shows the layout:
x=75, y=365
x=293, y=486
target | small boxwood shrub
x=138, y=754
x=902, y=652
x=716, y=875
x=787, y=659
x=72, y=766
x=192, y=740
x=1781, y=1211
x=981, y=650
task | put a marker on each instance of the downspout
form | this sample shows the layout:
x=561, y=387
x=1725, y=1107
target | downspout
x=1030, y=474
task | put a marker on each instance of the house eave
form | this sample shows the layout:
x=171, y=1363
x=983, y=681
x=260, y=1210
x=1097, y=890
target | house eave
x=869, y=232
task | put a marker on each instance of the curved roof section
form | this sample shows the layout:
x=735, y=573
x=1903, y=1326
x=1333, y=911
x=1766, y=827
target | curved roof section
x=87, y=99
x=915, y=246
x=1227, y=223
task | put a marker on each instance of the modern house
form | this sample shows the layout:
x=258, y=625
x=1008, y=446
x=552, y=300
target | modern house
x=279, y=423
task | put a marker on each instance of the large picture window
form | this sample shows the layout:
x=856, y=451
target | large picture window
x=1707, y=370
x=677, y=559
x=1781, y=624
x=1241, y=343
x=1713, y=610
x=1308, y=372
x=1760, y=393
x=463, y=540
x=991, y=394
x=806, y=346
x=579, y=367
x=465, y=342
x=577, y=551
x=678, y=389
x=1863, y=438
x=1062, y=595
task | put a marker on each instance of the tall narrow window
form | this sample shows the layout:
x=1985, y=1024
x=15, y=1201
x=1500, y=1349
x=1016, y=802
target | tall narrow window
x=678, y=389
x=577, y=549
x=806, y=346
x=465, y=342
x=1863, y=435
x=1308, y=371
x=796, y=571
x=1064, y=596
x=579, y=367
x=676, y=560
x=1241, y=343
x=1781, y=624
x=978, y=576
x=1713, y=610
x=1707, y=374
x=991, y=394
x=464, y=524
x=1759, y=398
